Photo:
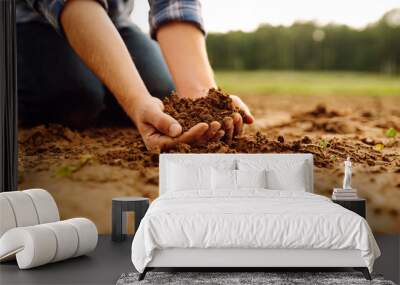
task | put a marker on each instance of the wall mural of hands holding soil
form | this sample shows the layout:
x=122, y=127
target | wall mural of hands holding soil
x=84, y=169
x=332, y=90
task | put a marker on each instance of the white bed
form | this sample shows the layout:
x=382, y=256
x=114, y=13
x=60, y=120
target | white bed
x=248, y=226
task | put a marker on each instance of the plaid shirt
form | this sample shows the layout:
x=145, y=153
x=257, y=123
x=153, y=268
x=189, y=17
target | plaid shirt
x=161, y=12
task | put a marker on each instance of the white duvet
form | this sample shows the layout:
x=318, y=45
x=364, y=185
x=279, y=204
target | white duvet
x=250, y=219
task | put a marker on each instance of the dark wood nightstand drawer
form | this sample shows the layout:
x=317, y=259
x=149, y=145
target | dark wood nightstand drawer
x=358, y=206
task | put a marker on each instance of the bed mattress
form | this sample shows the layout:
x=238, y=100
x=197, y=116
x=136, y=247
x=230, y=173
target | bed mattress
x=250, y=219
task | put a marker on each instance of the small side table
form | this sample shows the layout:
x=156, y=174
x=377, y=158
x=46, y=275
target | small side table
x=121, y=205
x=357, y=205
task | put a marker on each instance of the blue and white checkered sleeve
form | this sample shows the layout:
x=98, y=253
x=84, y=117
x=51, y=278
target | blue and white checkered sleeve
x=51, y=10
x=164, y=11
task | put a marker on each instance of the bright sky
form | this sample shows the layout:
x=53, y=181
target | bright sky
x=246, y=15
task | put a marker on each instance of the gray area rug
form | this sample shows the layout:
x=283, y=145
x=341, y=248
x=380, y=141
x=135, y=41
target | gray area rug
x=231, y=278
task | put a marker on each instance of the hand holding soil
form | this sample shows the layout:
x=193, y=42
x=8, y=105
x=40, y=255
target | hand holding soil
x=161, y=131
x=216, y=109
x=164, y=125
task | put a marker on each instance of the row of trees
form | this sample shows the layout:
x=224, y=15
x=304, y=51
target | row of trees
x=307, y=46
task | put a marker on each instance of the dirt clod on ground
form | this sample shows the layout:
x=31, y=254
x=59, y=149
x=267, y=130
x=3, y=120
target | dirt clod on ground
x=188, y=112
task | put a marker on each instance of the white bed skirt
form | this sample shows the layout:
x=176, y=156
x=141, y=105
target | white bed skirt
x=193, y=257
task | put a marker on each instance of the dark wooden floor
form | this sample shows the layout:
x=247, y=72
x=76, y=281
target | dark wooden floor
x=110, y=259
x=103, y=266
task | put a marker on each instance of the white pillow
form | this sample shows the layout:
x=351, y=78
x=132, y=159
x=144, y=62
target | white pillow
x=224, y=179
x=251, y=178
x=188, y=177
x=292, y=178
x=281, y=175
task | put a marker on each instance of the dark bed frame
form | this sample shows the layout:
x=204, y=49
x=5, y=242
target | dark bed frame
x=363, y=270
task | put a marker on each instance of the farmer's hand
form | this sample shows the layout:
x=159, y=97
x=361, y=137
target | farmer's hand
x=233, y=126
x=161, y=131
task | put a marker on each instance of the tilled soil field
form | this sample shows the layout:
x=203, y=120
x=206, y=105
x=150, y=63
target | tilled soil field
x=85, y=169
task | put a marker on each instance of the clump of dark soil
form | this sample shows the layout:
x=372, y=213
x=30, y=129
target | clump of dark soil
x=321, y=111
x=188, y=112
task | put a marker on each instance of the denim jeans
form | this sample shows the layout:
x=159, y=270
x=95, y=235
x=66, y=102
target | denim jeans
x=55, y=86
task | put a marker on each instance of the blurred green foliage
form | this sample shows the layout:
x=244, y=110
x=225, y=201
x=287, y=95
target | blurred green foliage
x=391, y=133
x=308, y=83
x=308, y=46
